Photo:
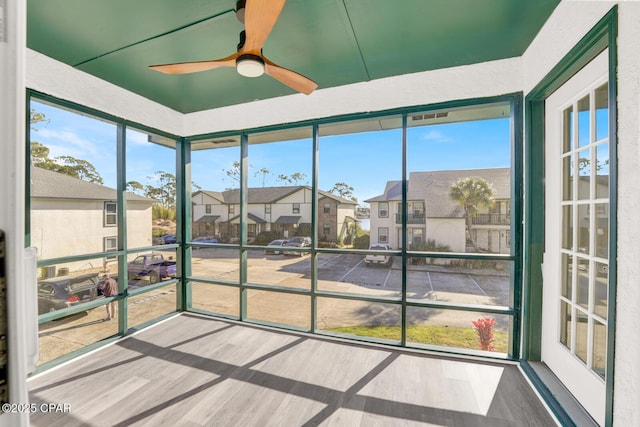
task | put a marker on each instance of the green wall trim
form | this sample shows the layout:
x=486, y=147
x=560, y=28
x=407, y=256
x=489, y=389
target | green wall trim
x=603, y=35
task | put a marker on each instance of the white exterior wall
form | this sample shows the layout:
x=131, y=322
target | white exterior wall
x=61, y=228
x=217, y=208
x=568, y=24
x=377, y=222
x=448, y=231
x=343, y=211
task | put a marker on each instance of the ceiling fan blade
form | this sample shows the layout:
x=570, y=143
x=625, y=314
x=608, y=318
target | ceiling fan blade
x=193, y=67
x=289, y=78
x=259, y=18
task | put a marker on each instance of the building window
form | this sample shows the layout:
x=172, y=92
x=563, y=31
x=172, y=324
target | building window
x=326, y=230
x=383, y=210
x=508, y=238
x=110, y=214
x=110, y=245
x=207, y=209
x=232, y=210
x=326, y=208
x=267, y=209
x=296, y=208
x=418, y=208
x=383, y=234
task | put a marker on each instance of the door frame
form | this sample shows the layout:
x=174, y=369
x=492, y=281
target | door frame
x=601, y=36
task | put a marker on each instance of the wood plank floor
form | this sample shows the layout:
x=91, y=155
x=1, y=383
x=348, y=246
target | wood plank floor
x=198, y=371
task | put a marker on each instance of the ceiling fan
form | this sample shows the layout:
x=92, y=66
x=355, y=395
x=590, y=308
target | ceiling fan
x=259, y=17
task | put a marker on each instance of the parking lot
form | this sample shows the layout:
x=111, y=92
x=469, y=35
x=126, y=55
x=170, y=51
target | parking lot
x=337, y=273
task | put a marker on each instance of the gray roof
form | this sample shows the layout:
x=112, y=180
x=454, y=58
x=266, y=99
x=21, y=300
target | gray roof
x=266, y=195
x=208, y=218
x=53, y=185
x=433, y=187
x=252, y=217
x=288, y=219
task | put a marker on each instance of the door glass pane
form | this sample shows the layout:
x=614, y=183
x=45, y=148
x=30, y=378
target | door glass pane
x=602, y=112
x=584, y=121
x=599, y=354
x=567, y=230
x=565, y=324
x=567, y=178
x=567, y=134
x=567, y=275
x=602, y=171
x=583, y=229
x=601, y=289
x=602, y=230
x=584, y=173
x=582, y=333
x=582, y=282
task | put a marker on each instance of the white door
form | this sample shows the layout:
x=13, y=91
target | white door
x=575, y=271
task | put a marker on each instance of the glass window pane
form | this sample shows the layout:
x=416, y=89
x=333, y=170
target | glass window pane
x=458, y=329
x=151, y=305
x=599, y=355
x=63, y=336
x=285, y=270
x=215, y=175
x=149, y=268
x=151, y=189
x=358, y=160
x=584, y=122
x=280, y=308
x=566, y=327
x=602, y=230
x=71, y=283
x=216, y=264
x=361, y=318
x=582, y=332
x=461, y=281
x=73, y=181
x=459, y=171
x=358, y=274
x=216, y=299
x=602, y=112
x=279, y=176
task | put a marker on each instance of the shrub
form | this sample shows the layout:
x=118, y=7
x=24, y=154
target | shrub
x=264, y=237
x=303, y=230
x=362, y=242
x=162, y=212
x=484, y=328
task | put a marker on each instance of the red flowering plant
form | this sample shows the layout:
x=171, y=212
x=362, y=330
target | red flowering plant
x=484, y=328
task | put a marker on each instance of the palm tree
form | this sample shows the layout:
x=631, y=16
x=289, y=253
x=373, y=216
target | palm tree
x=471, y=193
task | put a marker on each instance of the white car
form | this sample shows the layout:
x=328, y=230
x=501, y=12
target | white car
x=378, y=259
x=275, y=247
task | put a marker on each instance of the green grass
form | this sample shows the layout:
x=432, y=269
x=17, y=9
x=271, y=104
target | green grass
x=447, y=336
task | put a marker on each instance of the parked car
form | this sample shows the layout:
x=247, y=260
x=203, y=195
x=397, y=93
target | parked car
x=378, y=259
x=276, y=246
x=168, y=239
x=297, y=242
x=60, y=292
x=155, y=266
x=205, y=240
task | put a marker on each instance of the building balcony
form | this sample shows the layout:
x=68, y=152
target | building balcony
x=411, y=218
x=491, y=219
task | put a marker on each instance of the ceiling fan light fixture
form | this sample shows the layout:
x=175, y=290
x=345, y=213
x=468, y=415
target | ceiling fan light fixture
x=250, y=65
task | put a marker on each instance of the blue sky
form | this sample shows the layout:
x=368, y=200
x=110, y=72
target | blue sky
x=365, y=161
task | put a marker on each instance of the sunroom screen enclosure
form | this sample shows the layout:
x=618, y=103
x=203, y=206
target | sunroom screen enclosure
x=437, y=185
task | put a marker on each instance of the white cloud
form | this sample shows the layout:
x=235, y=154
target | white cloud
x=435, y=136
x=66, y=143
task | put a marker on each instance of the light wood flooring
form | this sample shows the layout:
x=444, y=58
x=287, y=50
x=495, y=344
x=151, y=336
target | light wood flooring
x=196, y=371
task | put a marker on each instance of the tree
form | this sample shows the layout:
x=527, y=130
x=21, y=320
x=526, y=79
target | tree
x=471, y=193
x=68, y=165
x=165, y=191
x=295, y=178
x=343, y=190
x=135, y=187
x=264, y=172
